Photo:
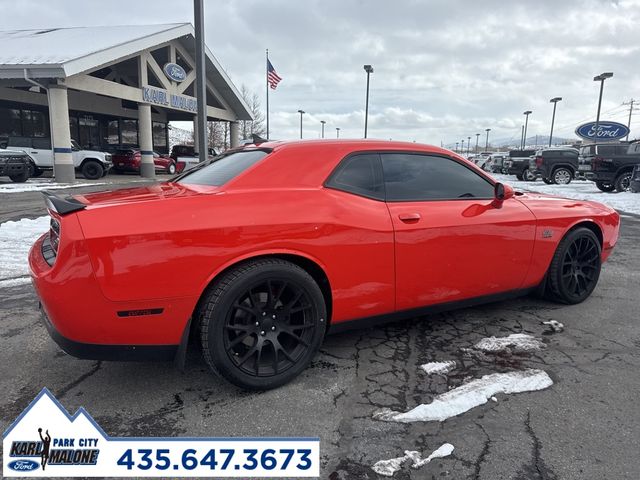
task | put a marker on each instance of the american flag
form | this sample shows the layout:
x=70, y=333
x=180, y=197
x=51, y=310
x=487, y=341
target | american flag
x=272, y=77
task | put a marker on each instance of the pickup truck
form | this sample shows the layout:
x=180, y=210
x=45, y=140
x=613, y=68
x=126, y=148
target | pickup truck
x=518, y=164
x=555, y=165
x=186, y=158
x=15, y=165
x=609, y=165
x=92, y=164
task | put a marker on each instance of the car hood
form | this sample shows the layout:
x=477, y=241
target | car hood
x=151, y=193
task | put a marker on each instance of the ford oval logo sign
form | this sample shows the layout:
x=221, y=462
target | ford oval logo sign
x=606, y=131
x=23, y=465
x=174, y=72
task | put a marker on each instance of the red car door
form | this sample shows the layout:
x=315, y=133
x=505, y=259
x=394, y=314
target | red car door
x=451, y=241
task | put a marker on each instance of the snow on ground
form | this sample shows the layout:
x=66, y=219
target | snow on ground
x=554, y=325
x=16, y=239
x=470, y=395
x=388, y=467
x=38, y=184
x=516, y=342
x=438, y=368
x=578, y=189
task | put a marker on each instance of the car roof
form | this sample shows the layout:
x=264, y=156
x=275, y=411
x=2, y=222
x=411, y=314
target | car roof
x=354, y=144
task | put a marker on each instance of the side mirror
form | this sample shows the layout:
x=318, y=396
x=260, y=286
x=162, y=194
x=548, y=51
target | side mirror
x=502, y=192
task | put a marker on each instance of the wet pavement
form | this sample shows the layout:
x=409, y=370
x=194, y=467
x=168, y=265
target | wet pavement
x=585, y=426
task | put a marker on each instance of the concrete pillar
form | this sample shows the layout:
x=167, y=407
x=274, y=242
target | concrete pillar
x=234, y=134
x=145, y=135
x=63, y=169
x=195, y=133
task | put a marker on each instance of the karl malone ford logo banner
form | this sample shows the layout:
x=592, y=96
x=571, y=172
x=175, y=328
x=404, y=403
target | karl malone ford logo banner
x=45, y=441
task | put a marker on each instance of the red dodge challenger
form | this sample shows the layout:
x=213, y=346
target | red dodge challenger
x=263, y=250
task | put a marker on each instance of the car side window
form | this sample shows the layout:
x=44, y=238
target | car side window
x=359, y=174
x=416, y=177
x=606, y=150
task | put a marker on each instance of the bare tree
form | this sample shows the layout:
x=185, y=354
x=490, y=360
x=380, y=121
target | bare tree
x=257, y=126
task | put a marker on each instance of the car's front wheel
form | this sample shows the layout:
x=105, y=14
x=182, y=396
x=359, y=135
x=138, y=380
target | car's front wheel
x=623, y=182
x=575, y=267
x=92, y=170
x=171, y=169
x=20, y=177
x=528, y=175
x=261, y=323
x=562, y=176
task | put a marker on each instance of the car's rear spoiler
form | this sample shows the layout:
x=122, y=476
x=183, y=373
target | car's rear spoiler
x=60, y=205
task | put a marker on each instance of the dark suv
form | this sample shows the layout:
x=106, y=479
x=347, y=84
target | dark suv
x=555, y=165
x=15, y=165
x=610, y=165
x=518, y=164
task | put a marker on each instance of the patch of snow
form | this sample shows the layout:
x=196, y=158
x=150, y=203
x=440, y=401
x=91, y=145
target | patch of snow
x=388, y=467
x=494, y=399
x=37, y=185
x=579, y=190
x=516, y=342
x=16, y=239
x=555, y=325
x=470, y=395
x=438, y=368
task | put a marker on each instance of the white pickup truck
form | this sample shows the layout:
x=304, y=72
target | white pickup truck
x=92, y=164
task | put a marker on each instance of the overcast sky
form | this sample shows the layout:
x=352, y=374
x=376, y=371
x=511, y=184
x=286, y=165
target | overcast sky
x=444, y=69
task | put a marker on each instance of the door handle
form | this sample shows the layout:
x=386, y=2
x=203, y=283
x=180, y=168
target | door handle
x=33, y=151
x=409, y=217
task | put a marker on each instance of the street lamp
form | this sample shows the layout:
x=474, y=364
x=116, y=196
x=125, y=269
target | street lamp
x=526, y=124
x=457, y=143
x=468, y=145
x=600, y=78
x=555, y=101
x=477, y=138
x=301, y=112
x=337, y=132
x=322, y=122
x=486, y=145
x=462, y=147
x=369, y=70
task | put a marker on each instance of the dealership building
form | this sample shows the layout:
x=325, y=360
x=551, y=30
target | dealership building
x=107, y=87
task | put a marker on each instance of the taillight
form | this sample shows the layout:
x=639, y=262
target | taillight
x=54, y=235
x=539, y=161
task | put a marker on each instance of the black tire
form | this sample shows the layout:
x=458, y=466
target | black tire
x=528, y=175
x=92, y=170
x=605, y=186
x=20, y=178
x=575, y=267
x=547, y=181
x=171, y=169
x=562, y=176
x=37, y=172
x=238, y=309
x=623, y=182
x=519, y=177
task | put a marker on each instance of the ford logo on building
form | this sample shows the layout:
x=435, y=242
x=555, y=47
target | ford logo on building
x=23, y=465
x=606, y=131
x=174, y=72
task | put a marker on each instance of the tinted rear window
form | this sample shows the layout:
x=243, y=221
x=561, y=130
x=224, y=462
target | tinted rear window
x=220, y=170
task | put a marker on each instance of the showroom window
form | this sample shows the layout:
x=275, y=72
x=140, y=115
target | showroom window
x=159, y=135
x=34, y=124
x=10, y=124
x=113, y=134
x=129, y=132
x=359, y=174
x=414, y=177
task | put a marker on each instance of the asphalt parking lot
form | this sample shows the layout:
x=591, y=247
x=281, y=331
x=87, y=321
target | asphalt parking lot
x=585, y=426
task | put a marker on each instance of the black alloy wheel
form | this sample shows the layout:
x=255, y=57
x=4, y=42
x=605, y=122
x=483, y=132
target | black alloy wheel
x=562, y=176
x=92, y=170
x=575, y=268
x=623, y=182
x=262, y=323
x=528, y=175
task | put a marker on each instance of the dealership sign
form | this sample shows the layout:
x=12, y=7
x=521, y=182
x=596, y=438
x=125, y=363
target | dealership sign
x=174, y=72
x=606, y=131
x=161, y=97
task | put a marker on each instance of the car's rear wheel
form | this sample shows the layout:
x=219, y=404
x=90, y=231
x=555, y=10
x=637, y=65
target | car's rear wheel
x=575, y=267
x=623, y=182
x=171, y=168
x=562, y=176
x=92, y=170
x=262, y=323
x=21, y=177
x=605, y=186
x=528, y=175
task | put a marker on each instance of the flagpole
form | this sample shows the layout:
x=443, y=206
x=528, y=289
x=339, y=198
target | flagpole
x=267, y=85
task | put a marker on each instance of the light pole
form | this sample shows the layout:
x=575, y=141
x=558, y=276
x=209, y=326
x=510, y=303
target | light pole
x=486, y=144
x=555, y=101
x=521, y=136
x=337, y=132
x=457, y=143
x=369, y=70
x=462, y=147
x=526, y=124
x=468, y=145
x=322, y=122
x=477, y=138
x=600, y=78
x=301, y=112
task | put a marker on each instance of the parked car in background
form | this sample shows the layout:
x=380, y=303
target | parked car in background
x=16, y=165
x=129, y=159
x=518, y=164
x=609, y=165
x=495, y=163
x=92, y=164
x=555, y=165
x=635, y=180
x=186, y=158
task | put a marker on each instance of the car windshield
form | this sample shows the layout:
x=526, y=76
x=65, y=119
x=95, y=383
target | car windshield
x=221, y=169
x=588, y=150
